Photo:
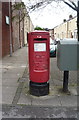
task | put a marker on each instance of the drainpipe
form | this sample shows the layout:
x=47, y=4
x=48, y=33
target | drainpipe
x=78, y=38
x=23, y=34
x=10, y=28
x=19, y=31
x=78, y=21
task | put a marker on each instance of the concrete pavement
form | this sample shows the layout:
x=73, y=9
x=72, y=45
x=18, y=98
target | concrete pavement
x=12, y=70
x=15, y=87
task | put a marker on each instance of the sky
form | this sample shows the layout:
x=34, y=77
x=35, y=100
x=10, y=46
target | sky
x=50, y=16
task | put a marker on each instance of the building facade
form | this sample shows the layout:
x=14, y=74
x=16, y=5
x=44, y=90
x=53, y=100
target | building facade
x=28, y=27
x=68, y=29
x=72, y=28
x=17, y=29
x=13, y=32
x=51, y=32
x=5, y=28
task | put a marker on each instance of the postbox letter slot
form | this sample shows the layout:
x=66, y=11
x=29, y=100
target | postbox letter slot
x=40, y=39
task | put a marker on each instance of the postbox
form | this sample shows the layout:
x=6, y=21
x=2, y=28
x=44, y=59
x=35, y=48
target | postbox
x=38, y=44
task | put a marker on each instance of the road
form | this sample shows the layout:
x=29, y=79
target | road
x=57, y=75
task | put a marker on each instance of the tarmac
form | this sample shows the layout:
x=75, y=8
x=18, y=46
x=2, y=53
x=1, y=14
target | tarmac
x=18, y=103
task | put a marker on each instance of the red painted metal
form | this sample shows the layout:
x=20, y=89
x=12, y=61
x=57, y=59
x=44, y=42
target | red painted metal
x=38, y=56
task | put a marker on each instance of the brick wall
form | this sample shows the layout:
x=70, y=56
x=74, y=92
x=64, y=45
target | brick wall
x=15, y=29
x=18, y=31
x=5, y=29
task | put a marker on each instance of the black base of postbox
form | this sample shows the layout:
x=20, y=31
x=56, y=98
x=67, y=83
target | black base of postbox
x=39, y=89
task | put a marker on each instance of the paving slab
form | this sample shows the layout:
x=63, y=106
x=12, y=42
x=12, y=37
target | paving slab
x=10, y=82
x=8, y=93
x=56, y=82
x=25, y=100
x=47, y=101
x=13, y=73
x=68, y=101
x=13, y=69
x=73, y=90
x=55, y=98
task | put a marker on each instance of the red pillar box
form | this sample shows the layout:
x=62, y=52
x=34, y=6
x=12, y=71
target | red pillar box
x=39, y=63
